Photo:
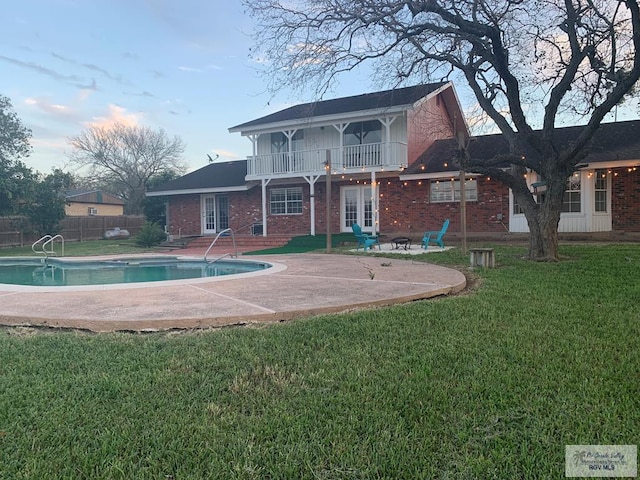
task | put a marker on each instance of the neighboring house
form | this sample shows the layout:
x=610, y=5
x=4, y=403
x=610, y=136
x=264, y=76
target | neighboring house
x=82, y=203
x=391, y=156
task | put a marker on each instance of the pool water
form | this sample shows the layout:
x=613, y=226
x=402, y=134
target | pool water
x=59, y=272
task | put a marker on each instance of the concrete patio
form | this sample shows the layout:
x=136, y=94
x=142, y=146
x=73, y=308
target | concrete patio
x=300, y=285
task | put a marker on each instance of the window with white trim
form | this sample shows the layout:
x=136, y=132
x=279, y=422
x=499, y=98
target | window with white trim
x=362, y=133
x=285, y=201
x=600, y=185
x=571, y=203
x=449, y=191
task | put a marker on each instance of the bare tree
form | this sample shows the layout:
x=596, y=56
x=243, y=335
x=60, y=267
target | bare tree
x=126, y=157
x=529, y=63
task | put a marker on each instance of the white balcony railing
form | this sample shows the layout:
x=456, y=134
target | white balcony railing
x=391, y=156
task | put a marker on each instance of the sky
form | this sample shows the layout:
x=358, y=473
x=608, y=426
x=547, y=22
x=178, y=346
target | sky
x=180, y=65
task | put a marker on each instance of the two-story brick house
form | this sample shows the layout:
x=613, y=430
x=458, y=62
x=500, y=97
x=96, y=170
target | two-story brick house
x=390, y=158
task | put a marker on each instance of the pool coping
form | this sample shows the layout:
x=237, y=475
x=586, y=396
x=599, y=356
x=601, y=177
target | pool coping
x=273, y=268
x=304, y=285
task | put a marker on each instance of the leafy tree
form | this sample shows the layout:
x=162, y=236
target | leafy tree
x=46, y=210
x=529, y=63
x=126, y=157
x=16, y=179
x=154, y=207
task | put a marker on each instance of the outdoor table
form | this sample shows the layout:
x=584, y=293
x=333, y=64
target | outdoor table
x=401, y=241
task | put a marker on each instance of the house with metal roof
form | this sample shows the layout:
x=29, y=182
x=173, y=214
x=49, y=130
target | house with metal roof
x=387, y=161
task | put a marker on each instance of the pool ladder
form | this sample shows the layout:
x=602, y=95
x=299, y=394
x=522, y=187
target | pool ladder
x=40, y=246
x=235, y=249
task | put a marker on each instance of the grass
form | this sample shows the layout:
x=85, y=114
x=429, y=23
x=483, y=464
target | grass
x=490, y=384
x=81, y=249
x=308, y=243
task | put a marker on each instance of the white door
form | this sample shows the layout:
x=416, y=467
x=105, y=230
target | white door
x=356, y=207
x=215, y=213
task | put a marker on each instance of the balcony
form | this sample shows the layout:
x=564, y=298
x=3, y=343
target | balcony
x=351, y=158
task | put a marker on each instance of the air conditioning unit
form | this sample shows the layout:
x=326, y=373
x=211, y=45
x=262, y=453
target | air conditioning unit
x=93, y=211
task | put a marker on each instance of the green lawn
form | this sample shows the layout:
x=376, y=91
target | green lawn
x=80, y=249
x=489, y=384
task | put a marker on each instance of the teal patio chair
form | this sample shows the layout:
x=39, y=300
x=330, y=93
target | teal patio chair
x=435, y=236
x=364, y=240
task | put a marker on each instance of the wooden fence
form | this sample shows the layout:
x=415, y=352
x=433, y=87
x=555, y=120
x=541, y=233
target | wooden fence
x=17, y=231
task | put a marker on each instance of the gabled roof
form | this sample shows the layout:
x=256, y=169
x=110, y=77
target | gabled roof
x=612, y=142
x=398, y=97
x=223, y=176
x=92, y=196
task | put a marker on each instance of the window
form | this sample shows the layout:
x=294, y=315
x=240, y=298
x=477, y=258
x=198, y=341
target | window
x=601, y=191
x=517, y=209
x=361, y=133
x=449, y=191
x=93, y=211
x=286, y=201
x=280, y=142
x=572, y=195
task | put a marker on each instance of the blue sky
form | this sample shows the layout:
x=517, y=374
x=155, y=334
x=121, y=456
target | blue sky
x=180, y=65
x=183, y=66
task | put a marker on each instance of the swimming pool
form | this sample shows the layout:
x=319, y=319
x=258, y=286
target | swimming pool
x=57, y=272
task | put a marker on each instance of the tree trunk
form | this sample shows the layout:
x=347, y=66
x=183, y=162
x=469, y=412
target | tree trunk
x=543, y=237
x=543, y=220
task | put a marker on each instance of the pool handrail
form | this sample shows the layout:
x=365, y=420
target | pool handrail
x=44, y=241
x=39, y=241
x=233, y=238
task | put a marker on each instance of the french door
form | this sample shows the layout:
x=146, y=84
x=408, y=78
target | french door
x=356, y=207
x=215, y=213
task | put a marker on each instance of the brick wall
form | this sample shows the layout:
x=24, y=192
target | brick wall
x=625, y=200
x=404, y=209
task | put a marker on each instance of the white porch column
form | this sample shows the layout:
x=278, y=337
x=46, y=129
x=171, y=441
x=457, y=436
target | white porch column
x=374, y=203
x=340, y=127
x=251, y=165
x=289, y=134
x=311, y=180
x=265, y=182
x=386, y=122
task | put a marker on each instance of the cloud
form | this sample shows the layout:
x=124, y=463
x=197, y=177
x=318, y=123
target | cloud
x=58, y=111
x=190, y=69
x=116, y=114
x=141, y=94
x=43, y=70
x=225, y=154
x=92, y=67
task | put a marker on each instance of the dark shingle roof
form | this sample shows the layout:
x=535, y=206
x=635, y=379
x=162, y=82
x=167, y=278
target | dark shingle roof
x=214, y=175
x=611, y=142
x=367, y=101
